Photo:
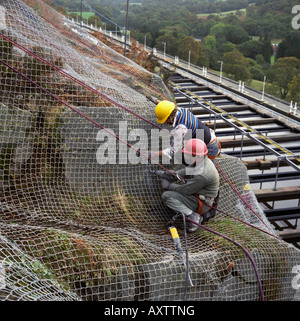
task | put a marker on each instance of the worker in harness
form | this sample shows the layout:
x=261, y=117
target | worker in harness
x=184, y=122
x=196, y=196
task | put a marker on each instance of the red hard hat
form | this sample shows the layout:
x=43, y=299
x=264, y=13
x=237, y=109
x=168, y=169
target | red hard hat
x=195, y=147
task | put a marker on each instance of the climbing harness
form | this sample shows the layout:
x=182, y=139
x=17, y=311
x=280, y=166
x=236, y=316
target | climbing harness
x=201, y=204
x=220, y=148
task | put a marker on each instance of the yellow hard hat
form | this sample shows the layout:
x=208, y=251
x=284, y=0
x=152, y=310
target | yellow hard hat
x=163, y=110
x=247, y=187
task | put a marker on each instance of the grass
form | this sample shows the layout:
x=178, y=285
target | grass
x=257, y=84
x=222, y=14
x=269, y=88
x=274, y=255
x=85, y=15
x=272, y=60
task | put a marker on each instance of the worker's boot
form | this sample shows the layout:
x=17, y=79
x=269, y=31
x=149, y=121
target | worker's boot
x=173, y=219
x=210, y=214
x=195, y=217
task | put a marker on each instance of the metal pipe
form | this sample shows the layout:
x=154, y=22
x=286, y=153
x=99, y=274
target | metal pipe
x=126, y=27
x=253, y=132
x=242, y=144
x=81, y=14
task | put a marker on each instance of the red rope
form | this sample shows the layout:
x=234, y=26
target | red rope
x=237, y=219
x=83, y=115
x=110, y=60
x=115, y=103
x=76, y=80
x=240, y=196
x=240, y=246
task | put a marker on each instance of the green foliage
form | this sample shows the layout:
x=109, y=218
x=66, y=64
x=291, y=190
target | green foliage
x=210, y=42
x=236, y=65
x=257, y=72
x=170, y=41
x=283, y=72
x=172, y=21
x=294, y=89
x=203, y=57
x=236, y=34
x=227, y=47
x=251, y=48
x=189, y=44
x=290, y=47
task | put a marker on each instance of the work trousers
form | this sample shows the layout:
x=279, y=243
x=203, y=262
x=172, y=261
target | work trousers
x=185, y=204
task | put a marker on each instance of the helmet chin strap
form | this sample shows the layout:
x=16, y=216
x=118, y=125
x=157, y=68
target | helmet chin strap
x=196, y=166
x=191, y=160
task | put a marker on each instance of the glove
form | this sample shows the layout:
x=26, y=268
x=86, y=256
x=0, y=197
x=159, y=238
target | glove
x=152, y=99
x=166, y=175
x=165, y=184
x=160, y=173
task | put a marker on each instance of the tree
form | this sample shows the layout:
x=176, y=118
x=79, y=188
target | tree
x=269, y=24
x=283, y=72
x=96, y=21
x=290, y=46
x=256, y=70
x=171, y=44
x=260, y=60
x=141, y=37
x=210, y=42
x=294, y=89
x=218, y=30
x=267, y=50
x=251, y=48
x=186, y=45
x=235, y=34
x=203, y=57
x=236, y=65
x=251, y=26
x=227, y=47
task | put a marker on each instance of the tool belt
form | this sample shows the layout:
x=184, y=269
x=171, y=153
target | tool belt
x=201, y=204
x=211, y=142
x=213, y=157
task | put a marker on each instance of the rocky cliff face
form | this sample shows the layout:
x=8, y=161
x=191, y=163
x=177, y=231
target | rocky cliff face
x=73, y=228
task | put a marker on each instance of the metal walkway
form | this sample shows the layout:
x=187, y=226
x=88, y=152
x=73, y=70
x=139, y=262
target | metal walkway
x=265, y=137
x=267, y=142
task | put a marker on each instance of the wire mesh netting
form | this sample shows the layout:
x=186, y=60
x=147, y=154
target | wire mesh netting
x=72, y=228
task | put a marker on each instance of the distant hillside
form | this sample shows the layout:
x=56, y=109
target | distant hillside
x=261, y=30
